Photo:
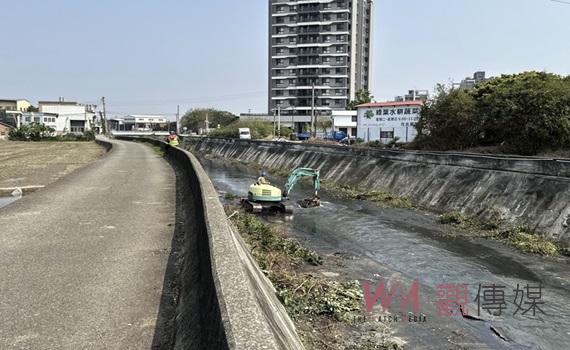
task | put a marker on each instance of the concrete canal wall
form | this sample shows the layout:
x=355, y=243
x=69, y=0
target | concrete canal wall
x=225, y=301
x=531, y=191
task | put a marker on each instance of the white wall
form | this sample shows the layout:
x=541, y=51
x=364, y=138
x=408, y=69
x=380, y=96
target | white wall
x=372, y=121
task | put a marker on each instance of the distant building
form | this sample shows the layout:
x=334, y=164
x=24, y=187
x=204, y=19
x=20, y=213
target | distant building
x=413, y=95
x=11, y=110
x=386, y=121
x=72, y=117
x=20, y=105
x=137, y=122
x=345, y=121
x=470, y=82
x=51, y=120
x=325, y=44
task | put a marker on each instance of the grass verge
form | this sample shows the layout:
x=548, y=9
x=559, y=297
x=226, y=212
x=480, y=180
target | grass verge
x=494, y=227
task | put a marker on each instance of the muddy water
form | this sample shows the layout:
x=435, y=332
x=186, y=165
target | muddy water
x=407, y=245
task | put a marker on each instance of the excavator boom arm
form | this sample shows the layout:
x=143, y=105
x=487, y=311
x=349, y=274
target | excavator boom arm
x=297, y=174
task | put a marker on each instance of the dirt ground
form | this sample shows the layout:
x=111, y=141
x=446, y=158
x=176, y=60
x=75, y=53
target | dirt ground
x=41, y=163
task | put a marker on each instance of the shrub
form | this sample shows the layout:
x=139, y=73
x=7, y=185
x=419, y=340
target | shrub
x=259, y=129
x=521, y=113
x=32, y=131
x=453, y=217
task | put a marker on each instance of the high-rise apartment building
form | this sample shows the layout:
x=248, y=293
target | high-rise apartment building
x=319, y=55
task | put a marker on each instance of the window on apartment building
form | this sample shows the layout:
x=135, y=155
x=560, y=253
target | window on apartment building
x=354, y=119
x=28, y=119
x=326, y=60
x=327, y=38
x=339, y=60
x=280, y=30
x=340, y=38
x=292, y=40
x=279, y=20
x=279, y=41
x=37, y=119
x=339, y=49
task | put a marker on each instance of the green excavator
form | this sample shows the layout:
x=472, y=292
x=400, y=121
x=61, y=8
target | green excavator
x=265, y=197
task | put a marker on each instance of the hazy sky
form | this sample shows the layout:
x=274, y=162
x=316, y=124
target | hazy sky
x=146, y=56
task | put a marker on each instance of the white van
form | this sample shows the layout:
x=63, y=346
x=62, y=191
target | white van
x=244, y=134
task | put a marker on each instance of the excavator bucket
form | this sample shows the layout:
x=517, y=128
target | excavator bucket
x=312, y=202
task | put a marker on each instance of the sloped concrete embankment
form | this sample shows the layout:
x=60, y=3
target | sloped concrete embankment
x=224, y=301
x=530, y=191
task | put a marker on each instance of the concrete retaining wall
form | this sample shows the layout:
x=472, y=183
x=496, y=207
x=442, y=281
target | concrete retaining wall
x=531, y=191
x=225, y=300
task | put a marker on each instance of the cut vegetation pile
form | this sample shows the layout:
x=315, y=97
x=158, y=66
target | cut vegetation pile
x=520, y=237
x=324, y=310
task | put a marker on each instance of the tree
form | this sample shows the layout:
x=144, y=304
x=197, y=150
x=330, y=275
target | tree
x=522, y=113
x=448, y=120
x=362, y=97
x=323, y=123
x=195, y=119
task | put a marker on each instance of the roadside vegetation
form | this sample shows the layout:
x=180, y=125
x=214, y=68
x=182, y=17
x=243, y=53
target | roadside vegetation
x=494, y=227
x=526, y=113
x=41, y=132
x=323, y=310
x=259, y=130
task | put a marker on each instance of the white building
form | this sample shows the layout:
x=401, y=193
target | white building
x=49, y=119
x=345, y=121
x=385, y=121
x=72, y=117
x=137, y=122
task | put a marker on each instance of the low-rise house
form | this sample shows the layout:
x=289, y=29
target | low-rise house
x=345, y=121
x=137, y=122
x=17, y=105
x=387, y=121
x=71, y=117
x=13, y=109
x=51, y=120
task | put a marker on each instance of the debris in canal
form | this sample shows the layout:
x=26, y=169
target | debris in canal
x=326, y=312
x=384, y=199
x=453, y=217
x=520, y=237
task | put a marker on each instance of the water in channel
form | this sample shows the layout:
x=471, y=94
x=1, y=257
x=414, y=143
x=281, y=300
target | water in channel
x=408, y=245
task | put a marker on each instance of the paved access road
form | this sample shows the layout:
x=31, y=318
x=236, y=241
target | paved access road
x=82, y=261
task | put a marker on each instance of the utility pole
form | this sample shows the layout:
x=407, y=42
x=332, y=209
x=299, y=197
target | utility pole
x=279, y=121
x=104, y=124
x=274, y=127
x=313, y=110
x=178, y=120
x=207, y=124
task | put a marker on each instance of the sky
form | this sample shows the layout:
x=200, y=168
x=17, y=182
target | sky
x=148, y=56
